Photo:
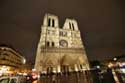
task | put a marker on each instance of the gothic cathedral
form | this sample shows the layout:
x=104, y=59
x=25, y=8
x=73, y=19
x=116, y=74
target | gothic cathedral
x=60, y=49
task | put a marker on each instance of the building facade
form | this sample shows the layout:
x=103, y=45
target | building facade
x=60, y=49
x=10, y=60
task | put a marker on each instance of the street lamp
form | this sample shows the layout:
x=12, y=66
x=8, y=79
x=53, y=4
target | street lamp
x=98, y=66
x=24, y=60
x=115, y=59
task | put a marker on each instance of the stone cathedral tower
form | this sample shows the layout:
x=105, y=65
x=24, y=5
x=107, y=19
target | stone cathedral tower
x=60, y=49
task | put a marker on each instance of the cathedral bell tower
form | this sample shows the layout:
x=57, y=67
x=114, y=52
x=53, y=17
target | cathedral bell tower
x=60, y=49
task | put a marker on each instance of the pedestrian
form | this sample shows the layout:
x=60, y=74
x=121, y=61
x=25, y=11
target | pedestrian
x=34, y=77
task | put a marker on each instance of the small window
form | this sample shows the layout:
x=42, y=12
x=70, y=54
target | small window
x=81, y=66
x=47, y=44
x=53, y=44
x=49, y=21
x=70, y=26
x=61, y=33
x=48, y=32
x=53, y=23
x=73, y=26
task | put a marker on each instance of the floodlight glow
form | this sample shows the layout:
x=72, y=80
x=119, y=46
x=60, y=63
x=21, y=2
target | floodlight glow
x=114, y=59
x=24, y=61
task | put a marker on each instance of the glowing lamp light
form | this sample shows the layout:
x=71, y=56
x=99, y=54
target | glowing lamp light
x=123, y=70
x=122, y=64
x=24, y=61
x=58, y=69
x=98, y=66
x=24, y=74
x=33, y=69
x=110, y=65
x=4, y=69
x=115, y=59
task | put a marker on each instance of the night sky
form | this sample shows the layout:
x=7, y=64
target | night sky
x=101, y=23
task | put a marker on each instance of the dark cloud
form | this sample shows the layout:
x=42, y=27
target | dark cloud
x=100, y=22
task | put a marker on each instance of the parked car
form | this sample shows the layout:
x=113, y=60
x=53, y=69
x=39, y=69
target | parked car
x=15, y=79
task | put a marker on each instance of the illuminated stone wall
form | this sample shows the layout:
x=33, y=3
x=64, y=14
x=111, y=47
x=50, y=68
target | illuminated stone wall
x=60, y=46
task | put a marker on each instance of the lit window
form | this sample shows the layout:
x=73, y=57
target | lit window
x=48, y=32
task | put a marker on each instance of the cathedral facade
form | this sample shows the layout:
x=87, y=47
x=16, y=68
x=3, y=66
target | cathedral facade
x=60, y=49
